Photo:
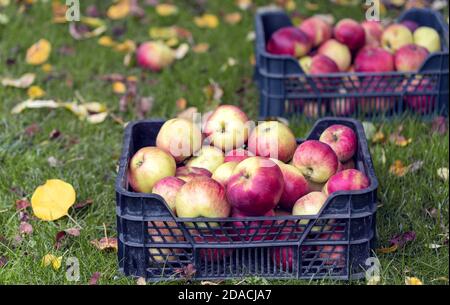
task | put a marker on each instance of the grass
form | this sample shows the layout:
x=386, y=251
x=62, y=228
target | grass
x=89, y=153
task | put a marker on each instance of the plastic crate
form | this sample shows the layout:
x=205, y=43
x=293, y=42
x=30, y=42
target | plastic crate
x=157, y=245
x=285, y=90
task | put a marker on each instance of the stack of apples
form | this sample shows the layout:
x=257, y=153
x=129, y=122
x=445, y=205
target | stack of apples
x=228, y=167
x=351, y=46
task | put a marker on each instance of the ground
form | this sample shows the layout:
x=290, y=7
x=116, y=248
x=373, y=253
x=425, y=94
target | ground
x=88, y=154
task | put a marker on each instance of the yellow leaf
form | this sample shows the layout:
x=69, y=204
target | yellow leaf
x=55, y=261
x=244, y=4
x=34, y=104
x=106, y=41
x=165, y=9
x=22, y=82
x=119, y=10
x=378, y=137
x=95, y=107
x=172, y=42
x=443, y=173
x=207, y=21
x=35, y=92
x=181, y=51
x=398, y=168
x=412, y=281
x=47, y=68
x=53, y=199
x=39, y=52
x=126, y=47
x=233, y=18
x=105, y=243
x=119, y=87
x=97, y=118
x=202, y=47
x=59, y=12
x=391, y=249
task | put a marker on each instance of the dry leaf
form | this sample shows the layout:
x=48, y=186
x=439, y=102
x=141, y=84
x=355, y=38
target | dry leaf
x=83, y=204
x=34, y=104
x=201, y=48
x=244, y=4
x=25, y=228
x=412, y=281
x=181, y=51
x=39, y=52
x=22, y=204
x=106, y=41
x=105, y=243
x=435, y=246
x=141, y=281
x=94, y=278
x=53, y=199
x=3, y=261
x=53, y=162
x=233, y=18
x=378, y=137
x=443, y=173
x=47, y=68
x=398, y=139
x=390, y=249
x=61, y=235
x=399, y=169
x=119, y=10
x=170, y=32
x=96, y=28
x=35, y=92
x=24, y=81
x=165, y=9
x=439, y=125
x=59, y=12
x=207, y=21
x=53, y=260
x=119, y=87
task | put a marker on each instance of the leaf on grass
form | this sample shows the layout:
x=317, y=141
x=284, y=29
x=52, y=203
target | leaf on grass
x=61, y=235
x=32, y=129
x=34, y=104
x=169, y=32
x=59, y=12
x=439, y=125
x=369, y=129
x=213, y=92
x=181, y=51
x=50, y=259
x=106, y=41
x=398, y=139
x=119, y=10
x=202, y=47
x=53, y=162
x=119, y=87
x=412, y=281
x=207, y=21
x=435, y=246
x=3, y=261
x=22, y=82
x=144, y=106
x=186, y=272
x=88, y=27
x=443, y=173
x=390, y=249
x=141, y=281
x=233, y=18
x=25, y=228
x=53, y=199
x=398, y=241
x=35, y=92
x=105, y=243
x=210, y=283
x=399, y=169
x=244, y=4
x=166, y=9
x=39, y=52
x=22, y=204
x=83, y=204
x=378, y=137
x=94, y=278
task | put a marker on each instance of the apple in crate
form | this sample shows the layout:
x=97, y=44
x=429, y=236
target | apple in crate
x=425, y=102
x=310, y=204
x=317, y=28
x=374, y=59
x=316, y=160
x=208, y=157
x=377, y=104
x=373, y=31
x=428, y=38
x=179, y=137
x=164, y=232
x=237, y=155
x=318, y=64
x=168, y=188
x=154, y=55
x=410, y=57
x=333, y=254
x=227, y=127
x=255, y=186
x=312, y=110
x=396, y=36
x=272, y=139
x=350, y=33
x=338, y=52
x=251, y=230
x=347, y=180
x=289, y=41
x=148, y=166
x=187, y=173
x=342, y=106
x=223, y=173
x=342, y=140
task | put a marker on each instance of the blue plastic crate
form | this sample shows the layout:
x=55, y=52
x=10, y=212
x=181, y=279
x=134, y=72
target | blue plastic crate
x=286, y=90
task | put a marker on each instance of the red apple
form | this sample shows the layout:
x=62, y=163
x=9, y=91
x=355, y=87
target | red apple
x=148, y=166
x=213, y=254
x=396, y=36
x=373, y=30
x=164, y=232
x=316, y=160
x=342, y=140
x=187, y=173
x=322, y=64
x=410, y=58
x=251, y=230
x=223, y=173
x=255, y=186
x=338, y=52
x=272, y=139
x=374, y=59
x=168, y=188
x=317, y=29
x=154, y=56
x=347, y=180
x=333, y=255
x=375, y=104
x=237, y=155
x=289, y=41
x=310, y=204
x=423, y=103
x=350, y=33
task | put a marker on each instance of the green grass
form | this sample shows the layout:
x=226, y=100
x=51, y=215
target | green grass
x=90, y=163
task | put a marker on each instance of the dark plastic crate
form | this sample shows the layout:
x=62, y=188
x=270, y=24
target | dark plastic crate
x=157, y=245
x=285, y=90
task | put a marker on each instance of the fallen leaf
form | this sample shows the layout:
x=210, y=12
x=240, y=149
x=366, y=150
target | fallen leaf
x=25, y=228
x=47, y=68
x=181, y=51
x=439, y=125
x=398, y=139
x=378, y=137
x=22, y=204
x=50, y=259
x=61, y=235
x=187, y=272
x=412, y=281
x=53, y=199
x=88, y=27
x=443, y=173
x=105, y=243
x=170, y=32
x=388, y=250
x=207, y=21
x=54, y=134
x=59, y=12
x=201, y=48
x=127, y=46
x=244, y=4
x=399, y=169
x=119, y=10
x=166, y=9
x=119, y=87
x=210, y=283
x=233, y=18
x=213, y=92
x=97, y=118
x=32, y=129
x=34, y=104
x=403, y=238
x=24, y=81
x=53, y=162
x=435, y=246
x=373, y=280
x=106, y=41
x=144, y=106
x=141, y=281
x=3, y=261
x=83, y=204
x=35, y=92
x=39, y=52
x=94, y=278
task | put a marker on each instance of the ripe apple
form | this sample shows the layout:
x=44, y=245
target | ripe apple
x=168, y=188
x=347, y=180
x=208, y=157
x=255, y=186
x=410, y=57
x=148, y=166
x=272, y=139
x=289, y=41
x=317, y=29
x=321, y=64
x=237, y=155
x=375, y=104
x=316, y=160
x=373, y=30
x=227, y=127
x=350, y=33
x=179, y=137
x=202, y=197
x=342, y=140
x=251, y=230
x=338, y=52
x=428, y=38
x=396, y=36
x=424, y=103
x=154, y=55
x=374, y=59
x=161, y=232
x=224, y=171
x=295, y=185
x=213, y=254
x=333, y=255
x=187, y=173
x=411, y=25
x=310, y=204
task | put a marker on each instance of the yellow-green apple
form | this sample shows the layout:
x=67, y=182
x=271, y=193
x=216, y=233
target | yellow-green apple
x=410, y=57
x=346, y=180
x=154, y=55
x=224, y=171
x=428, y=38
x=227, y=127
x=202, y=197
x=164, y=232
x=317, y=28
x=374, y=59
x=310, y=204
x=237, y=155
x=187, y=173
x=350, y=33
x=396, y=36
x=272, y=139
x=338, y=52
x=251, y=230
x=332, y=254
x=316, y=160
x=208, y=157
x=168, y=188
x=342, y=140
x=318, y=64
x=289, y=41
x=295, y=185
x=305, y=63
x=179, y=137
x=373, y=30
x=255, y=186
x=148, y=166
x=411, y=25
